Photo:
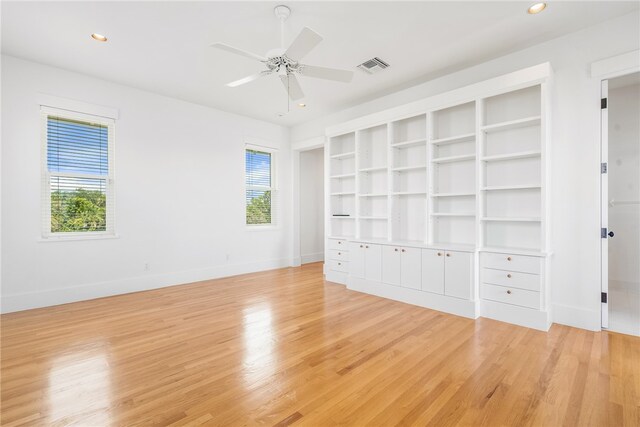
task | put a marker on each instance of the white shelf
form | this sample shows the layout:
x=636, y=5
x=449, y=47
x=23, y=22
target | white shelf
x=453, y=214
x=409, y=193
x=453, y=195
x=373, y=217
x=410, y=143
x=512, y=156
x=408, y=168
x=374, y=169
x=344, y=155
x=511, y=187
x=342, y=217
x=454, y=139
x=373, y=195
x=344, y=175
x=512, y=124
x=513, y=219
x=513, y=251
x=451, y=159
x=347, y=193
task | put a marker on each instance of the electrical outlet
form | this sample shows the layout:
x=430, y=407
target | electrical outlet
x=146, y=266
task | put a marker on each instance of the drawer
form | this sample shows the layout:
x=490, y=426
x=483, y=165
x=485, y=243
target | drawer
x=336, y=265
x=339, y=255
x=513, y=296
x=338, y=245
x=514, y=279
x=520, y=263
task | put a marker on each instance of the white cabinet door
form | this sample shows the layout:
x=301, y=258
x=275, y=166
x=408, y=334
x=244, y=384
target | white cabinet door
x=457, y=274
x=372, y=262
x=356, y=265
x=391, y=265
x=433, y=271
x=410, y=268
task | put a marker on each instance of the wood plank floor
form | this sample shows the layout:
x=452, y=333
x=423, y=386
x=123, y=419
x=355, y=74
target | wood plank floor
x=286, y=348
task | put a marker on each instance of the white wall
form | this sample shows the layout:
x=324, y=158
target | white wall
x=179, y=171
x=624, y=185
x=312, y=205
x=575, y=151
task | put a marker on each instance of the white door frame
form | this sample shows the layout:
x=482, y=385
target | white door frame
x=296, y=149
x=602, y=71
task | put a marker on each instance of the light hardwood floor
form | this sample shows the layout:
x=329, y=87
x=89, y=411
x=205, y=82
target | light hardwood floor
x=286, y=348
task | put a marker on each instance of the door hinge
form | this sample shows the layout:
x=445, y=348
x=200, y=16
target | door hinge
x=603, y=168
x=603, y=103
x=603, y=297
x=603, y=233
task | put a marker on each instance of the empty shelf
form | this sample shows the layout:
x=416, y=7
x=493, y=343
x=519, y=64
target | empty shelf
x=348, y=193
x=410, y=143
x=344, y=175
x=513, y=219
x=343, y=155
x=408, y=168
x=511, y=187
x=374, y=195
x=454, y=158
x=453, y=194
x=511, y=156
x=409, y=193
x=512, y=124
x=374, y=217
x=470, y=214
x=343, y=217
x=374, y=169
x=454, y=139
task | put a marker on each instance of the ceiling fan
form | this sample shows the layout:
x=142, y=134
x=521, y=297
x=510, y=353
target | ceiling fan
x=285, y=62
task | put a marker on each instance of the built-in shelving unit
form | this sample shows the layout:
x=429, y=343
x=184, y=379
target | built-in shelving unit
x=467, y=174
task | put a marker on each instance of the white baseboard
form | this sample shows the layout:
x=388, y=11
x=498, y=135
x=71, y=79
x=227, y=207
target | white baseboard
x=457, y=306
x=576, y=317
x=522, y=316
x=26, y=301
x=317, y=257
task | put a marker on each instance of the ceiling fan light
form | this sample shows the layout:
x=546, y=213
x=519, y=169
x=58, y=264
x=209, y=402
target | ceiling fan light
x=536, y=8
x=99, y=37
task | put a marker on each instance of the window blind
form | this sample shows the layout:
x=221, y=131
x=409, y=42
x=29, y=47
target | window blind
x=260, y=191
x=77, y=196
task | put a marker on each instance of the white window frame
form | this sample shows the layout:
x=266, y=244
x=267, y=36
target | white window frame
x=273, y=188
x=47, y=234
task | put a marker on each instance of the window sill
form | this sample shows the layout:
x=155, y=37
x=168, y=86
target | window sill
x=269, y=227
x=74, y=238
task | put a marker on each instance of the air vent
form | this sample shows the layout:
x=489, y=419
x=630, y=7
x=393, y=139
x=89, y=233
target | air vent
x=373, y=65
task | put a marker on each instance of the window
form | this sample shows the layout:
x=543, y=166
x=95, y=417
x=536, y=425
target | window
x=260, y=186
x=77, y=174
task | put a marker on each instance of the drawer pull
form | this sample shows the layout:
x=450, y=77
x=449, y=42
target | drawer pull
x=509, y=292
x=448, y=254
x=396, y=249
x=403, y=250
x=509, y=276
x=340, y=253
x=366, y=247
x=339, y=263
x=508, y=258
x=362, y=246
x=339, y=242
x=439, y=253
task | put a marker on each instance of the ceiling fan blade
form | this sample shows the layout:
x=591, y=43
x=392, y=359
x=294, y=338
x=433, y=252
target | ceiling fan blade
x=237, y=51
x=292, y=86
x=248, y=79
x=326, y=73
x=303, y=44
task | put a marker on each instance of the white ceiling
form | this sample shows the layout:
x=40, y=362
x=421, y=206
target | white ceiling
x=163, y=47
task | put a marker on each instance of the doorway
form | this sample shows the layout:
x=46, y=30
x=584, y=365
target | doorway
x=621, y=204
x=312, y=205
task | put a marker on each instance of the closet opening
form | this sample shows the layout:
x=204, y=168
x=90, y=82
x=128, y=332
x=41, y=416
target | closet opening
x=312, y=205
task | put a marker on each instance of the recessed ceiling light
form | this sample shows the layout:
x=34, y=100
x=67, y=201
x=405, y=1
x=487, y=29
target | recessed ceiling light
x=99, y=37
x=302, y=105
x=536, y=8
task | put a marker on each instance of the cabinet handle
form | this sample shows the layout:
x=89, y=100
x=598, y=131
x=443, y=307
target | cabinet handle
x=509, y=276
x=448, y=254
x=396, y=249
x=403, y=250
x=339, y=253
x=339, y=242
x=509, y=292
x=366, y=247
x=362, y=246
x=508, y=258
x=439, y=253
x=339, y=263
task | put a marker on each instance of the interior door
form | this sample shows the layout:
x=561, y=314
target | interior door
x=391, y=265
x=372, y=261
x=604, y=203
x=410, y=268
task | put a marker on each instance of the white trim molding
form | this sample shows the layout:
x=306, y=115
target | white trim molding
x=77, y=106
x=616, y=65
